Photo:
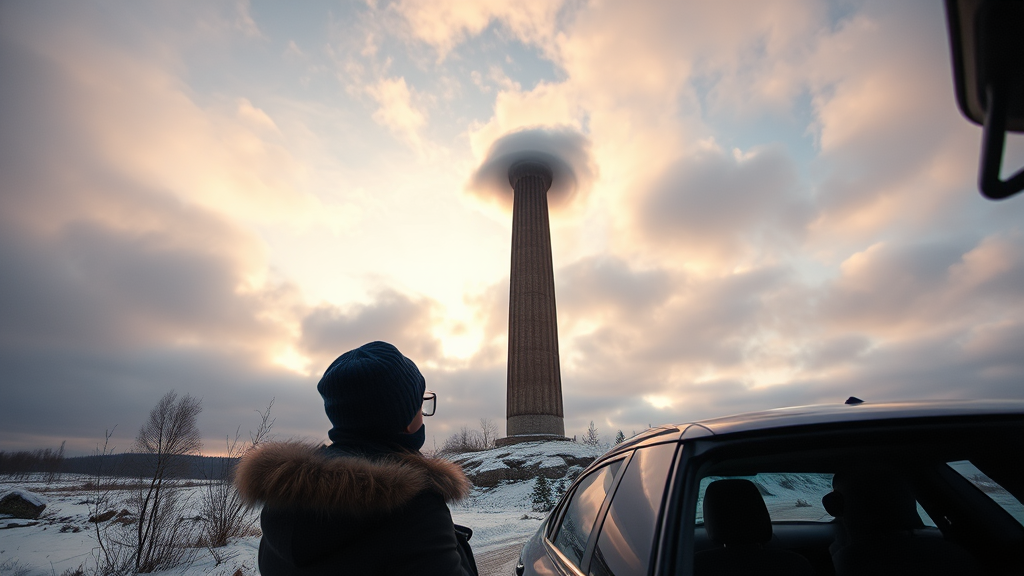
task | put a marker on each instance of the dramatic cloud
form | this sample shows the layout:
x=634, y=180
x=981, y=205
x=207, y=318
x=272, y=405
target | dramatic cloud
x=327, y=331
x=220, y=199
x=116, y=287
x=443, y=25
x=713, y=206
x=564, y=150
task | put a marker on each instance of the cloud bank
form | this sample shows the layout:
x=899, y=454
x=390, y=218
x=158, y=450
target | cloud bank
x=565, y=150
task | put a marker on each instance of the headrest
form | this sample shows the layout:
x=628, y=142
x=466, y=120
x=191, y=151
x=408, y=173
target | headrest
x=833, y=503
x=735, y=514
x=876, y=499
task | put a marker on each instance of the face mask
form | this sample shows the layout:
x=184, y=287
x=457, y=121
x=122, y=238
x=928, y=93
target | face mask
x=412, y=441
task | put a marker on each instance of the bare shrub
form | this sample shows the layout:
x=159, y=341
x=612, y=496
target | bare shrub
x=111, y=555
x=489, y=430
x=221, y=507
x=163, y=538
x=169, y=535
x=465, y=440
x=53, y=464
x=13, y=567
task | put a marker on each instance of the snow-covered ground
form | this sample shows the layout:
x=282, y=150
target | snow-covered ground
x=63, y=538
x=58, y=540
x=790, y=496
x=499, y=516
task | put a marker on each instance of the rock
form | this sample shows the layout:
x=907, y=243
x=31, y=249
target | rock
x=525, y=461
x=22, y=504
x=8, y=524
x=103, y=517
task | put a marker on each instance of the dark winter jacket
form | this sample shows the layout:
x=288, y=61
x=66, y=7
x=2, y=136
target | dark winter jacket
x=336, y=511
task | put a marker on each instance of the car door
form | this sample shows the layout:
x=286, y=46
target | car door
x=610, y=522
x=568, y=539
x=626, y=541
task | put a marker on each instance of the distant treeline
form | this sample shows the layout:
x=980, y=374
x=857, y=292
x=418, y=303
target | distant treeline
x=53, y=462
x=46, y=461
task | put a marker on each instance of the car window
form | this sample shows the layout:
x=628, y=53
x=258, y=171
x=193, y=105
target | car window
x=788, y=495
x=925, y=517
x=624, y=545
x=991, y=489
x=581, y=512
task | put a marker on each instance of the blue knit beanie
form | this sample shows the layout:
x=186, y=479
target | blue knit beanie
x=371, y=391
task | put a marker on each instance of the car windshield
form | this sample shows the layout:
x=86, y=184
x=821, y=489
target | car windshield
x=788, y=495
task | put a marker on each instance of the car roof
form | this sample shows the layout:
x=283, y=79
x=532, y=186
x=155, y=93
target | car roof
x=818, y=414
x=866, y=411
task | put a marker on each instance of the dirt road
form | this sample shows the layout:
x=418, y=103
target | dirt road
x=500, y=561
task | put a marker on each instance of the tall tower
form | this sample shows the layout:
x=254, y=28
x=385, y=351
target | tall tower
x=534, y=394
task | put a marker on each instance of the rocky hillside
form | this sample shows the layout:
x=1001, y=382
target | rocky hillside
x=526, y=461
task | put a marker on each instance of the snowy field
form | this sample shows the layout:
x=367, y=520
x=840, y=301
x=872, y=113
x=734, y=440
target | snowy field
x=790, y=496
x=63, y=539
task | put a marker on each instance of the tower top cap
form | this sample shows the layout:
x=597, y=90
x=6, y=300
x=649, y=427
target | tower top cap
x=525, y=168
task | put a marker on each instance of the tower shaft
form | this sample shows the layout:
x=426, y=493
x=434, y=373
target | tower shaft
x=534, y=387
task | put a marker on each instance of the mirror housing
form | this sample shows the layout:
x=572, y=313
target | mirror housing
x=987, y=42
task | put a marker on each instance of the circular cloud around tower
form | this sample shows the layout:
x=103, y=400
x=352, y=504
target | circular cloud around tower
x=564, y=150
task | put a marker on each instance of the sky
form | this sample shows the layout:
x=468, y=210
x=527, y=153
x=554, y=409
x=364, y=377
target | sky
x=764, y=204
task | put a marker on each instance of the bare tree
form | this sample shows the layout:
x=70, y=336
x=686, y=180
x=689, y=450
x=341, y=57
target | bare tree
x=591, y=438
x=169, y=434
x=54, y=462
x=111, y=555
x=465, y=440
x=489, y=431
x=22, y=464
x=222, y=509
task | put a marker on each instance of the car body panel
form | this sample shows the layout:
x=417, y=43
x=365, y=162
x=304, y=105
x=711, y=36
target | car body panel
x=883, y=428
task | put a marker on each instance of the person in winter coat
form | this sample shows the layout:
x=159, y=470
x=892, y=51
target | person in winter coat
x=369, y=503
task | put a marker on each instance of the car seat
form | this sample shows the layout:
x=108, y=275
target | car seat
x=737, y=520
x=880, y=529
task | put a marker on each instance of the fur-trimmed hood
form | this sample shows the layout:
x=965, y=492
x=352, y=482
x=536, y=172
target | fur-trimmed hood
x=307, y=476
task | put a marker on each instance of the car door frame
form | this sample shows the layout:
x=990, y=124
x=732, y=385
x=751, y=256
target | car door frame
x=559, y=560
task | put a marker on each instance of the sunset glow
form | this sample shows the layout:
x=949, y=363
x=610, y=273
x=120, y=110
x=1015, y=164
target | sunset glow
x=220, y=198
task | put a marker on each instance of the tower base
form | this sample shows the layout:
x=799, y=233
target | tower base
x=533, y=428
x=509, y=440
x=530, y=424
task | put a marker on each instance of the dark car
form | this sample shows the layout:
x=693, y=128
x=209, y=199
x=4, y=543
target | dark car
x=856, y=488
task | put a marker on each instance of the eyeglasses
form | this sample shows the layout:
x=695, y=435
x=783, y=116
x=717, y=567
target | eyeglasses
x=429, y=403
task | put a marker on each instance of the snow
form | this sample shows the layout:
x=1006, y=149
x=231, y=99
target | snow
x=544, y=454
x=42, y=547
x=788, y=496
x=30, y=497
x=500, y=516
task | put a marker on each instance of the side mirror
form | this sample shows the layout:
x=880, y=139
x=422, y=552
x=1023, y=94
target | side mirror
x=987, y=41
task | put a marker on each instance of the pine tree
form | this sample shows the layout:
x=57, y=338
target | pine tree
x=560, y=488
x=619, y=437
x=591, y=438
x=541, y=496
